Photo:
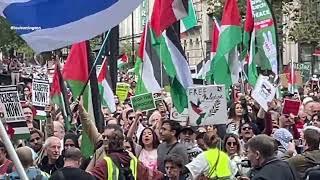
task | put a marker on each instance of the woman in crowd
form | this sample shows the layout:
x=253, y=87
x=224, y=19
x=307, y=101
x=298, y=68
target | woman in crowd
x=233, y=149
x=235, y=118
x=316, y=120
x=149, y=142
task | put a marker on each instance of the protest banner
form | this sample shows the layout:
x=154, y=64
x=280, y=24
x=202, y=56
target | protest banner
x=122, y=91
x=40, y=97
x=291, y=107
x=40, y=92
x=180, y=117
x=207, y=105
x=143, y=102
x=13, y=113
x=10, y=103
x=263, y=92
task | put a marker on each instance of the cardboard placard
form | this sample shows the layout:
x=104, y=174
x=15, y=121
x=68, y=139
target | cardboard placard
x=122, y=91
x=10, y=104
x=263, y=92
x=143, y=102
x=40, y=92
x=291, y=106
x=207, y=105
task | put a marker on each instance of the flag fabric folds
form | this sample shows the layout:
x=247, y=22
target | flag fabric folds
x=76, y=73
x=191, y=20
x=249, y=44
x=214, y=44
x=147, y=81
x=225, y=67
x=107, y=97
x=167, y=12
x=58, y=96
x=52, y=24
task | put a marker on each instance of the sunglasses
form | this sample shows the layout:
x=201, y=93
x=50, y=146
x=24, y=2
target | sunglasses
x=232, y=144
x=131, y=118
x=246, y=128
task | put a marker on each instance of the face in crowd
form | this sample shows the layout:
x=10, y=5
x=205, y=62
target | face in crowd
x=187, y=136
x=166, y=133
x=172, y=170
x=36, y=141
x=28, y=115
x=232, y=145
x=246, y=131
x=53, y=148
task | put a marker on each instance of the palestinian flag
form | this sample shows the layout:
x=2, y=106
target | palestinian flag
x=122, y=60
x=225, y=67
x=59, y=96
x=175, y=62
x=147, y=81
x=167, y=12
x=214, y=44
x=249, y=44
x=191, y=20
x=107, y=97
x=76, y=73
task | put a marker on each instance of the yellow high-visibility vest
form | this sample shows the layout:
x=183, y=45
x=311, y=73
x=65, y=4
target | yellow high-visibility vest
x=113, y=171
x=220, y=169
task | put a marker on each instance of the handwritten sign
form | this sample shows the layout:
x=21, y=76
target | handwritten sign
x=10, y=104
x=122, y=91
x=291, y=107
x=143, y=102
x=263, y=92
x=207, y=105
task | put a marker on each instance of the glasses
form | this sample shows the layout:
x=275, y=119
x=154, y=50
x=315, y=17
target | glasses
x=232, y=144
x=131, y=118
x=246, y=128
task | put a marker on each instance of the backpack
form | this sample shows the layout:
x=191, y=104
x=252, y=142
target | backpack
x=125, y=172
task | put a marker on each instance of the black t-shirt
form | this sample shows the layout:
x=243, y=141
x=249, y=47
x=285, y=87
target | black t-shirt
x=71, y=173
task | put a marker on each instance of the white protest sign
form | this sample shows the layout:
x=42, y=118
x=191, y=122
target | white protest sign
x=180, y=117
x=263, y=92
x=10, y=104
x=207, y=105
x=40, y=92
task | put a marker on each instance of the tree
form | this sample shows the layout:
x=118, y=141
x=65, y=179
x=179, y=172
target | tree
x=304, y=18
x=10, y=39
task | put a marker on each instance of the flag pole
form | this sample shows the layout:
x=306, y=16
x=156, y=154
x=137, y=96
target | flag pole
x=11, y=151
x=292, y=76
x=94, y=64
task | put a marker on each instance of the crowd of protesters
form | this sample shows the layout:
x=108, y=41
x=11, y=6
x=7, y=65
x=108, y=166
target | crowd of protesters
x=253, y=144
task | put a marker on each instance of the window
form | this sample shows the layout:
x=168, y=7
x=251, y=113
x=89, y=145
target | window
x=306, y=57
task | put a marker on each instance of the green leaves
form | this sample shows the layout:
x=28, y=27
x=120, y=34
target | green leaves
x=9, y=39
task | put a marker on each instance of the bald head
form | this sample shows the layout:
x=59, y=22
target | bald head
x=25, y=156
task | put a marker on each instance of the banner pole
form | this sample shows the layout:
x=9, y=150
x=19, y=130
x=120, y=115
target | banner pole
x=94, y=64
x=11, y=151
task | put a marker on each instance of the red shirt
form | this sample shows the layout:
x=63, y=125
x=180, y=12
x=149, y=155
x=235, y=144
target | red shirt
x=4, y=167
